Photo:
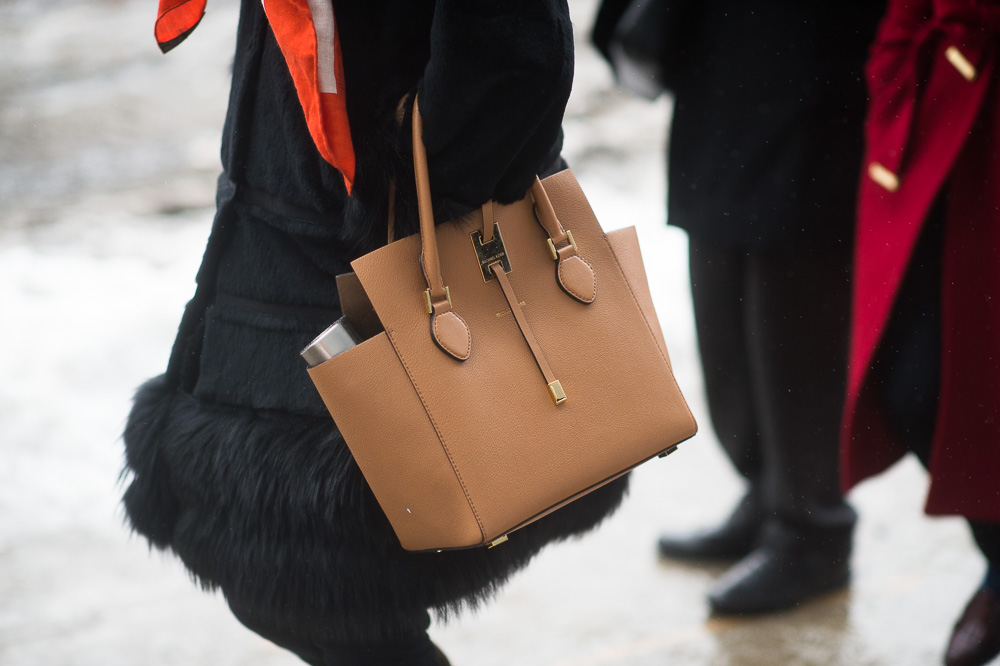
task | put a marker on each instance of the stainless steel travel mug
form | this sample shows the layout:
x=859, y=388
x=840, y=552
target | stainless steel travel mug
x=336, y=339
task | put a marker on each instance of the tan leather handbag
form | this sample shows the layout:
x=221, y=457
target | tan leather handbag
x=512, y=362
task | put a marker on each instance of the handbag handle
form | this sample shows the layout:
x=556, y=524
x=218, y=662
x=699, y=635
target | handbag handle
x=574, y=274
x=449, y=330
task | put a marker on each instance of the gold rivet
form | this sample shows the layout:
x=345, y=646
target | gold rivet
x=496, y=542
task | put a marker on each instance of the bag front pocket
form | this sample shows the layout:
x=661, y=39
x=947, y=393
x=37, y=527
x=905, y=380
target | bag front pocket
x=384, y=422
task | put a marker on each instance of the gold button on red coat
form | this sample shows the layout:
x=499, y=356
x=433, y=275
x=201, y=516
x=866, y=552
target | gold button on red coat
x=883, y=176
x=961, y=63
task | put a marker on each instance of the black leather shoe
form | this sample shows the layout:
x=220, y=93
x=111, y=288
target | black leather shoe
x=975, y=640
x=732, y=540
x=773, y=578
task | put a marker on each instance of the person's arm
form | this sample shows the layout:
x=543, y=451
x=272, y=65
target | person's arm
x=493, y=95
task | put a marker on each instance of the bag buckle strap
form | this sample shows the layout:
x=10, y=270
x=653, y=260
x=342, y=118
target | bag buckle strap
x=554, y=386
x=429, y=303
x=574, y=274
x=490, y=251
x=552, y=245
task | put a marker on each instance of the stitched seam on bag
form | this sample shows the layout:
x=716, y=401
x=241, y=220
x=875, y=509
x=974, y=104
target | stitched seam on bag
x=649, y=328
x=440, y=437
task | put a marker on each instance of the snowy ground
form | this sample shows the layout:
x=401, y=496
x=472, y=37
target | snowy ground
x=108, y=155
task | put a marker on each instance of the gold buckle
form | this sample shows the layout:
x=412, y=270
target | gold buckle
x=427, y=299
x=552, y=246
x=490, y=253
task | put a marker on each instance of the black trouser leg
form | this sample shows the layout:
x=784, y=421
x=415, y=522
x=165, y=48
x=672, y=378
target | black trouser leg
x=772, y=331
x=798, y=306
x=717, y=294
x=987, y=537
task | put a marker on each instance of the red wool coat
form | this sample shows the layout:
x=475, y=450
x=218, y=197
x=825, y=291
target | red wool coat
x=933, y=126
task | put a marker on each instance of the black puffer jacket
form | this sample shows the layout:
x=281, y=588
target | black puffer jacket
x=234, y=463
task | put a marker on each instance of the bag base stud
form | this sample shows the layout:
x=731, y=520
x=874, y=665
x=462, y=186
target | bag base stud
x=496, y=542
x=668, y=451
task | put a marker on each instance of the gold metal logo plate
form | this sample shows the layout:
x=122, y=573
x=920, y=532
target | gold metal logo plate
x=490, y=253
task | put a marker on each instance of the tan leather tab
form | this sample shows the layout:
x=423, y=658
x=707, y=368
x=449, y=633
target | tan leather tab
x=576, y=276
x=525, y=328
x=451, y=334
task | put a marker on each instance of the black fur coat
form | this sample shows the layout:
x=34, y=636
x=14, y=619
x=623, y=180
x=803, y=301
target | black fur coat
x=232, y=461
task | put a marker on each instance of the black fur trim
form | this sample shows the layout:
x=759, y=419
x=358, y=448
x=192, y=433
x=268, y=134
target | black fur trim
x=271, y=508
